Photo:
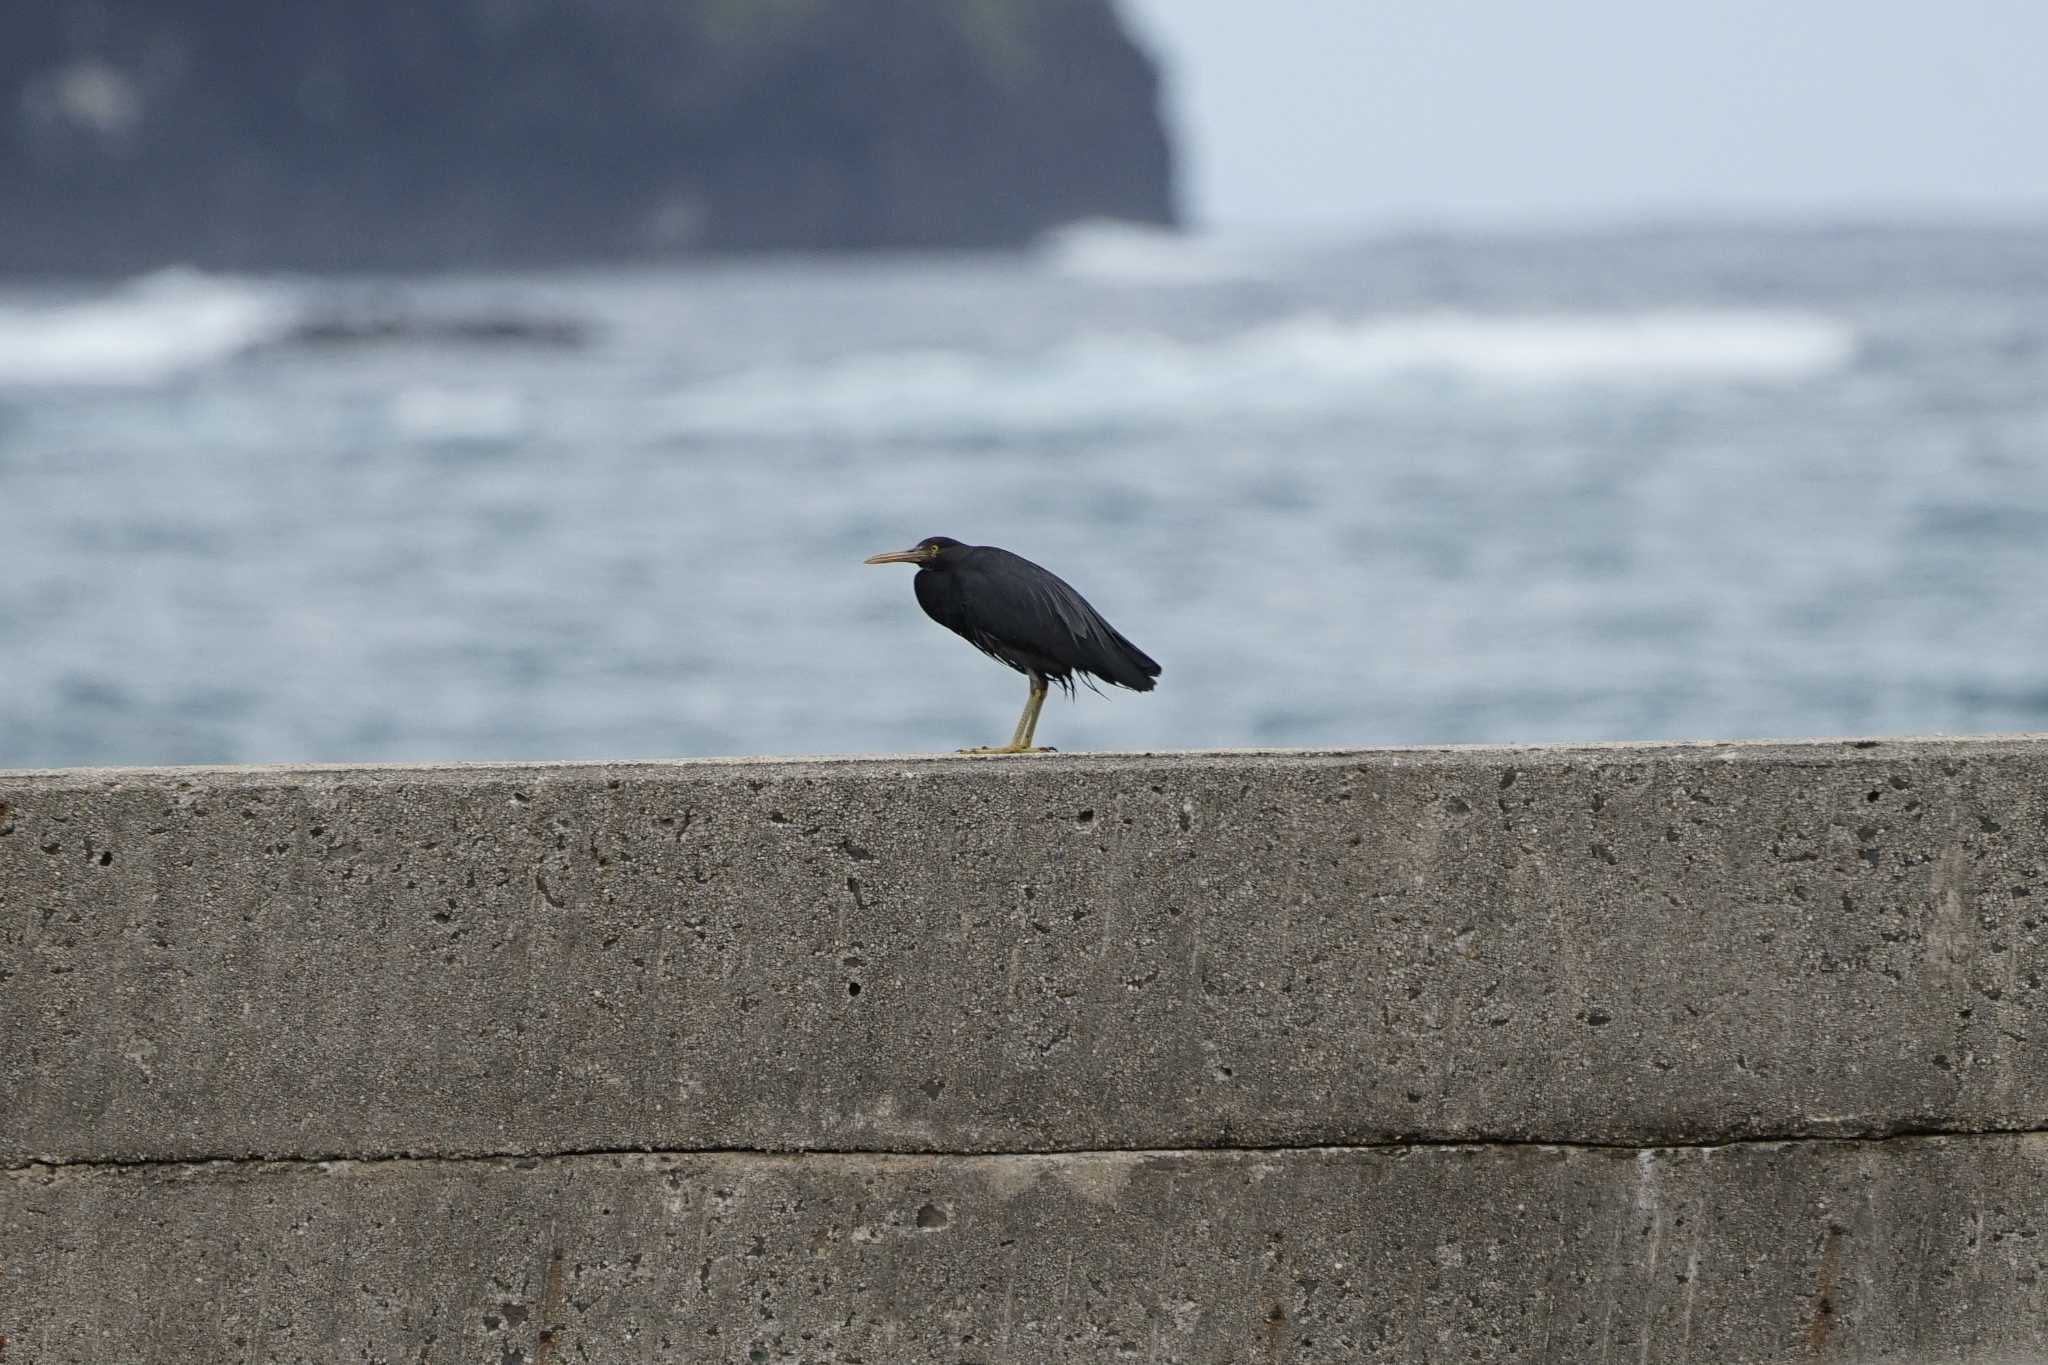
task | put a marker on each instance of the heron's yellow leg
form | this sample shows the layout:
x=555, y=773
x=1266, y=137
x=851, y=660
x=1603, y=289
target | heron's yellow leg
x=1027, y=726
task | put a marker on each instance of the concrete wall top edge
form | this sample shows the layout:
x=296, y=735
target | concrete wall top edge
x=1821, y=749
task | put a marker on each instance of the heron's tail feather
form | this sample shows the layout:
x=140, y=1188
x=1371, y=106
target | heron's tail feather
x=1133, y=667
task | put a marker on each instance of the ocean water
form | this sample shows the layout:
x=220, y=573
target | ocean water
x=1685, y=483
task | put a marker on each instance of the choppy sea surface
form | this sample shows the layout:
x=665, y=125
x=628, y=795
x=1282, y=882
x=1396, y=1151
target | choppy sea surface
x=1683, y=483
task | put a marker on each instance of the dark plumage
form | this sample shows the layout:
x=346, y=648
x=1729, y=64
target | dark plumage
x=1013, y=610
x=1031, y=619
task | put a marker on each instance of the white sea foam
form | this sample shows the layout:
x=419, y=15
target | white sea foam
x=1111, y=252
x=1306, y=364
x=1569, y=348
x=142, y=332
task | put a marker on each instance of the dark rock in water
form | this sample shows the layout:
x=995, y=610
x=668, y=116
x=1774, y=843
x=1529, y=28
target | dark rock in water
x=398, y=328
x=316, y=134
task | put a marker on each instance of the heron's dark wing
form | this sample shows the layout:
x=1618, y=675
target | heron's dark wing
x=1031, y=619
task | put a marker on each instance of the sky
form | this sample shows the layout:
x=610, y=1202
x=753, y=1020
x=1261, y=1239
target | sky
x=1499, y=112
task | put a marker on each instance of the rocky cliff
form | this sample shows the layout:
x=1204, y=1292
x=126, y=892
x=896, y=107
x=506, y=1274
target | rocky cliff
x=305, y=134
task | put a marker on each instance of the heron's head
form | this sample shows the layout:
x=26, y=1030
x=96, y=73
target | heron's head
x=931, y=552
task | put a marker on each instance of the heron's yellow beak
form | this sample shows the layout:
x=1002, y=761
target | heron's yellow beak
x=917, y=554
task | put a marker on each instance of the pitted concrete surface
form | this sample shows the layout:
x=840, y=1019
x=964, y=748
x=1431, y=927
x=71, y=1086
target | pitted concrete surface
x=1665, y=1053
x=1619, y=944
x=1911, y=1249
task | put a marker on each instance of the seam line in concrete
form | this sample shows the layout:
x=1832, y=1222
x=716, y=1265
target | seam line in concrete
x=89, y=1164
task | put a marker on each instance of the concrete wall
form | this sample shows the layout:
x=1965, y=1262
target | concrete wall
x=1715, y=1053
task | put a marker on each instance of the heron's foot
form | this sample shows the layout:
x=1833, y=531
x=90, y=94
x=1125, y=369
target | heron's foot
x=991, y=750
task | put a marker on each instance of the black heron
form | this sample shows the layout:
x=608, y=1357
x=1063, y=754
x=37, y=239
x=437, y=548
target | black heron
x=1012, y=610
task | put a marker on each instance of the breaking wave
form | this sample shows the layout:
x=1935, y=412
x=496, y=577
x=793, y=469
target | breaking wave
x=1307, y=365
x=142, y=332
x=1106, y=252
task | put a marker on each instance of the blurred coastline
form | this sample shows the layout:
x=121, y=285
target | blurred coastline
x=458, y=134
